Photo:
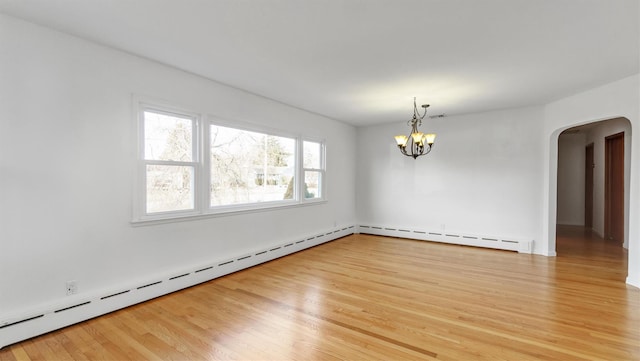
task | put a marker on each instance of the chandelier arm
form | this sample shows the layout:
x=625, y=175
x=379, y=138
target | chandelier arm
x=425, y=150
x=420, y=150
x=403, y=150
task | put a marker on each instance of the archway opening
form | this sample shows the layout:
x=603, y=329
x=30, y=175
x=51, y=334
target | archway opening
x=592, y=194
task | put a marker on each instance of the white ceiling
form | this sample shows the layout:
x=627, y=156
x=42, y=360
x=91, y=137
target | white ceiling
x=363, y=61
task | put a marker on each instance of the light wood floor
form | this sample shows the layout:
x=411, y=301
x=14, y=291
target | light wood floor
x=368, y=297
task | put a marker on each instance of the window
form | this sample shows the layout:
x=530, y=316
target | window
x=313, y=169
x=250, y=167
x=169, y=161
x=189, y=166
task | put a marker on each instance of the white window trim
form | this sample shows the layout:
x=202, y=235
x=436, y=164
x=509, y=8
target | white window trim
x=201, y=165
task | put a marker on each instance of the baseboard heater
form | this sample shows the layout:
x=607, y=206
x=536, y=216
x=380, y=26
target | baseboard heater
x=504, y=243
x=81, y=307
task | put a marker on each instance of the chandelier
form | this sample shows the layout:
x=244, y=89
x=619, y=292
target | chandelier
x=421, y=143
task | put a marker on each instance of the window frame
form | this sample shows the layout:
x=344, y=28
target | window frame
x=140, y=212
x=321, y=170
x=200, y=162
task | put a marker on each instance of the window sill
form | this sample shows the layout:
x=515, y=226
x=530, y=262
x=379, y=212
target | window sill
x=227, y=211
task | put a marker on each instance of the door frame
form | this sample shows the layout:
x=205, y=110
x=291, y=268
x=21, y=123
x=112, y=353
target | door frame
x=589, y=165
x=613, y=200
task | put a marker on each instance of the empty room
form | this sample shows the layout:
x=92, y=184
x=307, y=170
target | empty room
x=319, y=180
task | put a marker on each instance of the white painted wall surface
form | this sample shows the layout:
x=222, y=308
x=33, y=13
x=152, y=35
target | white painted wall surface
x=67, y=156
x=482, y=177
x=571, y=157
x=610, y=101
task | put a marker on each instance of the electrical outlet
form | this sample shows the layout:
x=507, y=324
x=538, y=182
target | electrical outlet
x=72, y=287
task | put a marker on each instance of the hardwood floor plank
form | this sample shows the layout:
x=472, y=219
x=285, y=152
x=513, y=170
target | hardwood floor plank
x=370, y=297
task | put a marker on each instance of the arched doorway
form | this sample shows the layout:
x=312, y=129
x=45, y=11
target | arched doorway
x=593, y=178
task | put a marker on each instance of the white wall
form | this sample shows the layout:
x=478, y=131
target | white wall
x=571, y=158
x=67, y=159
x=482, y=177
x=610, y=101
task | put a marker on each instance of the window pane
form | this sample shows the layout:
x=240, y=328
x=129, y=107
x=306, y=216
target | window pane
x=167, y=137
x=250, y=167
x=312, y=184
x=169, y=188
x=311, y=154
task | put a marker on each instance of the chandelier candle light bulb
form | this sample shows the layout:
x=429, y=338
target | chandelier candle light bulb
x=421, y=143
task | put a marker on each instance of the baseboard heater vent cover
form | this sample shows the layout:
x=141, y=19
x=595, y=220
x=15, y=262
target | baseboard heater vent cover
x=80, y=307
x=486, y=241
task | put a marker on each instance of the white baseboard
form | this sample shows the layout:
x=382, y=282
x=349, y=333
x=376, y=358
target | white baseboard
x=504, y=243
x=73, y=309
x=633, y=280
